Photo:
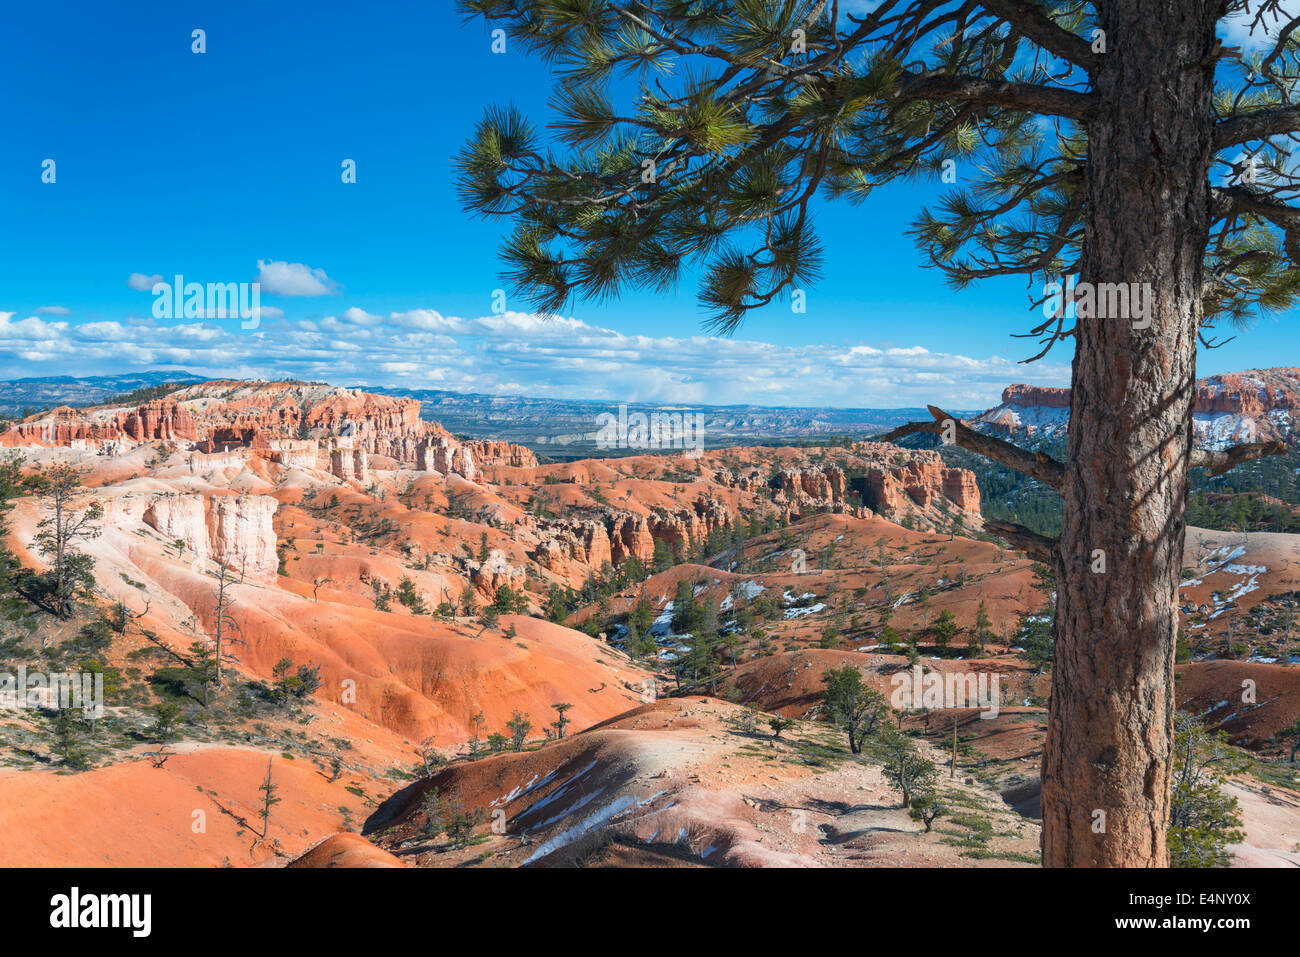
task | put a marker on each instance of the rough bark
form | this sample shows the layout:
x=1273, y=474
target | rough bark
x=1111, y=725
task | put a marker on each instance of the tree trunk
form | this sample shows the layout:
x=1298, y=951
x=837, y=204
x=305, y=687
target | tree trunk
x=1106, y=765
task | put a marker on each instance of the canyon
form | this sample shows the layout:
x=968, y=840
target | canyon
x=437, y=589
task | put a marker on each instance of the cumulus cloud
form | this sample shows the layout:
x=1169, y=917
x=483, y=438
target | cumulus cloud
x=521, y=353
x=142, y=283
x=293, y=279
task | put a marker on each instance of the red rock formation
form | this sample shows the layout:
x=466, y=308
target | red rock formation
x=690, y=524
x=234, y=530
x=573, y=541
x=1253, y=392
x=494, y=454
x=895, y=490
x=442, y=453
x=265, y=415
x=822, y=486
x=960, y=487
x=1026, y=395
x=294, y=453
x=630, y=537
x=160, y=419
x=488, y=576
x=349, y=464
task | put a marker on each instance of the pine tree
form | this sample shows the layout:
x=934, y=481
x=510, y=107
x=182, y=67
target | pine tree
x=69, y=578
x=1204, y=820
x=1122, y=143
x=852, y=705
x=983, y=629
x=269, y=800
x=944, y=629
x=562, y=721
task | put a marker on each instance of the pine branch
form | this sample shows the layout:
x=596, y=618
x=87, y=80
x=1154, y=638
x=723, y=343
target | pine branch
x=1229, y=200
x=1037, y=465
x=1219, y=461
x=1026, y=97
x=1037, y=26
x=1258, y=125
x=1036, y=546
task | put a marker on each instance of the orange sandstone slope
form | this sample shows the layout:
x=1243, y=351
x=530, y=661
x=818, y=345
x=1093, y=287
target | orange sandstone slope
x=680, y=782
x=198, y=810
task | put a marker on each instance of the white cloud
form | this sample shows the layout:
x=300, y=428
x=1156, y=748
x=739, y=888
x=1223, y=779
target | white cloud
x=29, y=329
x=293, y=279
x=53, y=311
x=142, y=283
x=519, y=353
x=359, y=317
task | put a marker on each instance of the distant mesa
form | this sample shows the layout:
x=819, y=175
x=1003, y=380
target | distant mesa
x=1252, y=406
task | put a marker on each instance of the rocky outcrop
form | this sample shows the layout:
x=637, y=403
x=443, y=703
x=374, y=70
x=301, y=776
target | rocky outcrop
x=284, y=421
x=442, y=453
x=1254, y=393
x=294, y=453
x=488, y=576
x=629, y=537
x=493, y=454
x=1045, y=396
x=232, y=530
x=744, y=480
x=691, y=524
x=960, y=487
x=1251, y=406
x=182, y=520
x=815, y=485
x=573, y=542
x=919, y=482
x=350, y=465
x=160, y=419
x=242, y=534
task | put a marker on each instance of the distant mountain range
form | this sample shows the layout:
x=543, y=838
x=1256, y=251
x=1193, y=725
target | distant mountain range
x=567, y=428
x=19, y=397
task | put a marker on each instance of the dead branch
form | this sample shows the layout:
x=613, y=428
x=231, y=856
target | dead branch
x=1037, y=465
x=1219, y=461
x=1036, y=546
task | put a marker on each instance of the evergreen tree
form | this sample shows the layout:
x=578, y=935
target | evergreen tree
x=1120, y=142
x=69, y=578
x=904, y=767
x=944, y=629
x=561, y=721
x=1203, y=820
x=852, y=705
x=269, y=799
x=519, y=726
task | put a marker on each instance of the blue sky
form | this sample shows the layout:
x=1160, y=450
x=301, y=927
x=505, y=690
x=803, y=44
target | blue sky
x=206, y=165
